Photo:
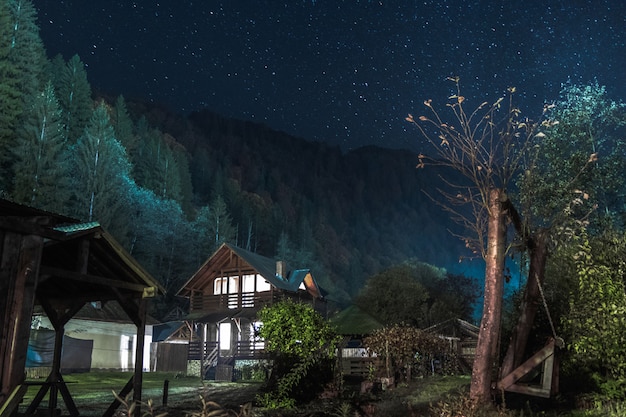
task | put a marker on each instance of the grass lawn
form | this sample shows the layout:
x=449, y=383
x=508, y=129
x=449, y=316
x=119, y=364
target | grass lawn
x=92, y=392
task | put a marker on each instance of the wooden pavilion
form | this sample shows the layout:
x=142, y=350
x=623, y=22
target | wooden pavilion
x=60, y=264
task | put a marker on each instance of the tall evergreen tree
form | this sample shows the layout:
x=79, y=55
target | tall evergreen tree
x=123, y=125
x=184, y=174
x=102, y=170
x=156, y=168
x=74, y=94
x=220, y=225
x=40, y=169
x=22, y=59
x=27, y=51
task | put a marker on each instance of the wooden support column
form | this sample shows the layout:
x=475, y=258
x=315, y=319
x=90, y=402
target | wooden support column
x=21, y=256
x=138, y=377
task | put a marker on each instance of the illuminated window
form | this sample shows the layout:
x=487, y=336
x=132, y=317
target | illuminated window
x=219, y=286
x=262, y=284
x=248, y=283
x=224, y=336
x=233, y=285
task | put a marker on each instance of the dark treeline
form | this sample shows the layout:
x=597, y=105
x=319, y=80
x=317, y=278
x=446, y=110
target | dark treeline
x=171, y=188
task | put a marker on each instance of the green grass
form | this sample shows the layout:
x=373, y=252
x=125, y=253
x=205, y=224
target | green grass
x=92, y=387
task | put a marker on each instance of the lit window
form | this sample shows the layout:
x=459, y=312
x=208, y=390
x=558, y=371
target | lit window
x=248, y=283
x=262, y=284
x=219, y=286
x=224, y=336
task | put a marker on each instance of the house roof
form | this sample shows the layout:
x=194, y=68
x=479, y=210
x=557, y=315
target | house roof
x=223, y=261
x=354, y=321
x=454, y=328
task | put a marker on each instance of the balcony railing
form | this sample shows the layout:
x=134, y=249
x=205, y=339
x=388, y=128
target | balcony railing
x=230, y=301
x=224, y=302
x=248, y=349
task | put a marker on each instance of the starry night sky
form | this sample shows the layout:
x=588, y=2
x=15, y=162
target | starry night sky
x=345, y=72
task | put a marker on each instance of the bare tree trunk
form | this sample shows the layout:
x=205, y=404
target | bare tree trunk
x=489, y=334
x=528, y=309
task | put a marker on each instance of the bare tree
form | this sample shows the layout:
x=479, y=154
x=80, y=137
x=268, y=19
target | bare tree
x=487, y=147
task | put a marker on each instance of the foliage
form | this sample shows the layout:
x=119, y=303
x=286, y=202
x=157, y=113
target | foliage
x=101, y=170
x=301, y=342
x=577, y=162
x=22, y=59
x=417, y=293
x=74, y=94
x=401, y=346
x=292, y=328
x=597, y=316
x=41, y=171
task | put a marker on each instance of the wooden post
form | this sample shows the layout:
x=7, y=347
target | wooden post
x=138, y=378
x=21, y=256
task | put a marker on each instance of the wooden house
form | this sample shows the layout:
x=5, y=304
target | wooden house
x=225, y=295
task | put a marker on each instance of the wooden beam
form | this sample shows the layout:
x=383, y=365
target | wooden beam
x=13, y=401
x=18, y=280
x=544, y=357
x=92, y=279
x=30, y=226
x=141, y=340
x=122, y=395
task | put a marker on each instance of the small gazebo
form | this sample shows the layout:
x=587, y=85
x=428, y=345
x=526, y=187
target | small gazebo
x=60, y=264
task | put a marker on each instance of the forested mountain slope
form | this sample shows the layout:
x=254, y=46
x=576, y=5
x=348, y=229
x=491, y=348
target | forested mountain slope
x=352, y=213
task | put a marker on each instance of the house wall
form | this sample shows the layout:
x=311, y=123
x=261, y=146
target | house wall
x=114, y=343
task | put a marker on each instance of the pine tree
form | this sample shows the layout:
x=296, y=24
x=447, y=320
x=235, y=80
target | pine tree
x=102, y=170
x=156, y=167
x=220, y=225
x=22, y=59
x=74, y=94
x=123, y=126
x=27, y=51
x=40, y=168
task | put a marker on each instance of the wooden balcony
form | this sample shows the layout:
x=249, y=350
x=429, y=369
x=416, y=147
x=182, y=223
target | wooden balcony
x=230, y=301
x=225, y=302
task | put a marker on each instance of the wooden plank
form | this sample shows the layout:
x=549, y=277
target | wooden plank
x=19, y=307
x=13, y=401
x=92, y=279
x=545, y=357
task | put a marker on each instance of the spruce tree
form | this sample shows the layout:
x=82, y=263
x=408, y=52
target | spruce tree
x=102, y=173
x=40, y=168
x=123, y=125
x=74, y=94
x=22, y=60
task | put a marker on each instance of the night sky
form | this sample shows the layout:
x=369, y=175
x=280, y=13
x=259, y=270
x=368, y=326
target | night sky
x=345, y=72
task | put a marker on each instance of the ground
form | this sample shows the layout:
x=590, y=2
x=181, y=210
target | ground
x=93, y=392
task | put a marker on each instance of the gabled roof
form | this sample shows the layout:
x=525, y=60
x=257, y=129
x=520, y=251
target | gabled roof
x=108, y=270
x=250, y=262
x=454, y=328
x=353, y=321
x=108, y=266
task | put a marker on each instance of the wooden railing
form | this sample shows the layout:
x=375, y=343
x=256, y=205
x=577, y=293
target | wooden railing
x=224, y=302
x=229, y=301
